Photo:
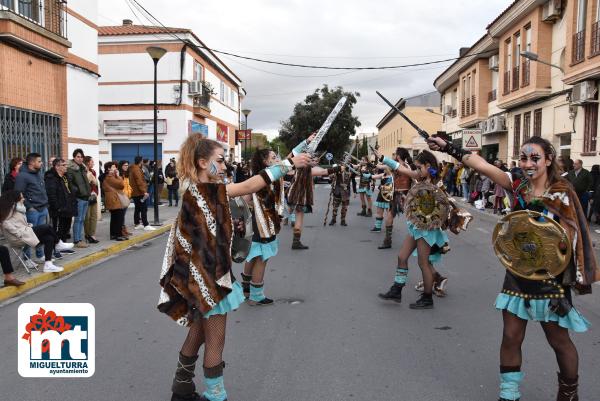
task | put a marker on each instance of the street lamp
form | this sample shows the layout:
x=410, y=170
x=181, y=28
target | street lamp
x=245, y=112
x=435, y=112
x=155, y=53
x=534, y=57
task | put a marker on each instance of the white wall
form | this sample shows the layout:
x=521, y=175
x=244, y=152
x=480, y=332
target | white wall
x=82, y=104
x=141, y=93
x=137, y=67
x=84, y=39
x=87, y=8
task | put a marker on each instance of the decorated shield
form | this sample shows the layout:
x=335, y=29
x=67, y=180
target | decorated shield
x=242, y=229
x=427, y=206
x=531, y=245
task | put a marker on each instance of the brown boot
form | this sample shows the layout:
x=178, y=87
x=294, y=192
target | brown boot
x=387, y=241
x=183, y=382
x=567, y=389
x=296, y=244
x=369, y=213
x=124, y=232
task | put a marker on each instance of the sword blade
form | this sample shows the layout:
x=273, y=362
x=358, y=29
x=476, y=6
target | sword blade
x=420, y=131
x=312, y=146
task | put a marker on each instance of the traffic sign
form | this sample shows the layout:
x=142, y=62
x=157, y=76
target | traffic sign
x=471, y=139
x=329, y=156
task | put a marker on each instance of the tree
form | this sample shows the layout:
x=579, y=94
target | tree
x=363, y=150
x=309, y=115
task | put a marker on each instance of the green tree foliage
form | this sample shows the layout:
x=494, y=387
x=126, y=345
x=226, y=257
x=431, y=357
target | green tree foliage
x=278, y=145
x=363, y=150
x=309, y=115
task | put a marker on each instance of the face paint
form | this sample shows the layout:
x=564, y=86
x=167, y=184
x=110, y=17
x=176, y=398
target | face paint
x=213, y=170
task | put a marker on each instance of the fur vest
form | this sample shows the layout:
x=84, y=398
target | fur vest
x=301, y=191
x=196, y=272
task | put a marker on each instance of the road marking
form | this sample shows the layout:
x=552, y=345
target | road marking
x=483, y=230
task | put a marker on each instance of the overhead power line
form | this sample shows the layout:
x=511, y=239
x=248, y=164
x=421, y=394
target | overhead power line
x=152, y=18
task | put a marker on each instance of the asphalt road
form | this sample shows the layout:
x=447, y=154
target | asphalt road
x=328, y=337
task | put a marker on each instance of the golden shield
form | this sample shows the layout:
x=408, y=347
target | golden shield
x=427, y=206
x=387, y=192
x=532, y=245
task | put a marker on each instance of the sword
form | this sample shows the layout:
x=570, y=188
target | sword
x=312, y=146
x=420, y=131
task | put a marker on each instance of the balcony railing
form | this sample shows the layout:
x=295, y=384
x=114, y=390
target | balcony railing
x=595, y=45
x=506, y=83
x=526, y=67
x=492, y=95
x=49, y=14
x=462, y=108
x=473, y=102
x=202, y=101
x=515, y=78
x=578, y=47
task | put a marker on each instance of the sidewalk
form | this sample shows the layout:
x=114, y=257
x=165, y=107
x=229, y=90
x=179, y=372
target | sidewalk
x=95, y=252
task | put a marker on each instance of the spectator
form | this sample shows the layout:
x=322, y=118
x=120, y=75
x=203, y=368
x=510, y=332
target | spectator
x=486, y=188
x=91, y=217
x=7, y=269
x=116, y=200
x=148, y=177
x=77, y=175
x=450, y=178
x=124, y=173
x=30, y=183
x=240, y=173
x=594, y=193
x=62, y=204
x=499, y=198
x=581, y=179
x=139, y=194
x=464, y=183
x=172, y=182
x=161, y=180
x=11, y=176
x=20, y=233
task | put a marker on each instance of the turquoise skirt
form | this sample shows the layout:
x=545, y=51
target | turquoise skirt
x=365, y=191
x=265, y=251
x=539, y=311
x=432, y=237
x=230, y=303
x=382, y=205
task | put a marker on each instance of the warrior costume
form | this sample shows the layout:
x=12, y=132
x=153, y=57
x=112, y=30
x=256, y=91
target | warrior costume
x=300, y=195
x=364, y=187
x=402, y=184
x=340, y=191
x=384, y=197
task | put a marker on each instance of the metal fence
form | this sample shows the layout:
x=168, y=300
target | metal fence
x=26, y=131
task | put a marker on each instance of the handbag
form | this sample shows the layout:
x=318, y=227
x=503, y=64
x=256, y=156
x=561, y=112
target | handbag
x=124, y=200
x=169, y=180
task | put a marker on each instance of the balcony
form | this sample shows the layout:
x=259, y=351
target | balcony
x=473, y=103
x=202, y=105
x=578, y=51
x=595, y=42
x=492, y=95
x=525, y=72
x=47, y=14
x=515, y=78
x=506, y=82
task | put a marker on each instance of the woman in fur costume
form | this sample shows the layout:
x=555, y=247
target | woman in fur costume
x=548, y=302
x=198, y=288
x=267, y=206
x=430, y=241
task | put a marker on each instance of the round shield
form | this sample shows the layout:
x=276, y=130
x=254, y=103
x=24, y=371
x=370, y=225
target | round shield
x=427, y=206
x=532, y=245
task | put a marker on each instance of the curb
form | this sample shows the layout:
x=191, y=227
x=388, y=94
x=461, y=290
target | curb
x=70, y=267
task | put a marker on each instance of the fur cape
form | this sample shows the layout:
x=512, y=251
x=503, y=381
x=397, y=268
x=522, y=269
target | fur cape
x=268, y=200
x=196, y=273
x=561, y=200
x=301, y=191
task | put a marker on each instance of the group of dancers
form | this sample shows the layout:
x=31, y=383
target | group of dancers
x=198, y=288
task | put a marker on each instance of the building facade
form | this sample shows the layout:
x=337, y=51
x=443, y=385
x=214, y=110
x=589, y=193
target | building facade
x=197, y=93
x=395, y=131
x=511, y=96
x=48, y=78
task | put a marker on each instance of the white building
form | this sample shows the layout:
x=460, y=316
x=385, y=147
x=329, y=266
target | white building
x=185, y=105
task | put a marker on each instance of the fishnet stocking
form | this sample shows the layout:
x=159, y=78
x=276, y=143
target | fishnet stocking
x=565, y=350
x=210, y=332
x=194, y=339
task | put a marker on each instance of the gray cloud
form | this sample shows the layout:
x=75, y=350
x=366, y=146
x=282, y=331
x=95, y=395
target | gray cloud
x=320, y=32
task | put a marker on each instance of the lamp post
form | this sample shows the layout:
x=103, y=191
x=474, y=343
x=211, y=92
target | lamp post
x=245, y=112
x=534, y=57
x=435, y=112
x=156, y=53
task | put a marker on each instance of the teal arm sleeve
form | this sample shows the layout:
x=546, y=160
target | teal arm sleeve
x=391, y=163
x=299, y=148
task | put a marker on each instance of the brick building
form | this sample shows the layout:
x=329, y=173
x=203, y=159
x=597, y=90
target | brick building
x=48, y=78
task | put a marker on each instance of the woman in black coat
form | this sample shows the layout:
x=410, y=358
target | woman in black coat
x=595, y=195
x=62, y=199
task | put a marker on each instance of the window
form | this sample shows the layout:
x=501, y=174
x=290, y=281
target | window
x=517, y=136
x=528, y=38
x=537, y=122
x=590, y=128
x=29, y=9
x=198, y=75
x=222, y=91
x=6, y=3
x=232, y=98
x=581, y=11
x=526, y=125
x=507, y=67
x=517, y=49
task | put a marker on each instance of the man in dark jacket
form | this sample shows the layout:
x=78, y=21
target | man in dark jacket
x=581, y=179
x=30, y=182
x=77, y=176
x=62, y=203
x=139, y=194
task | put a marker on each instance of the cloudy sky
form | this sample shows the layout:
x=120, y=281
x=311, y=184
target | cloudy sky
x=341, y=33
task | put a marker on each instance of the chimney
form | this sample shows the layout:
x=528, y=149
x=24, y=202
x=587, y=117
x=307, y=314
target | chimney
x=127, y=22
x=461, y=52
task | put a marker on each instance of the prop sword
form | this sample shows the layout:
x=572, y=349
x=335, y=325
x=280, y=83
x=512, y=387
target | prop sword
x=420, y=131
x=311, y=148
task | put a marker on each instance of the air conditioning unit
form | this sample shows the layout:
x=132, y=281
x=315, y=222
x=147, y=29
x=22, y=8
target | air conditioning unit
x=195, y=88
x=583, y=92
x=493, y=125
x=494, y=62
x=552, y=11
